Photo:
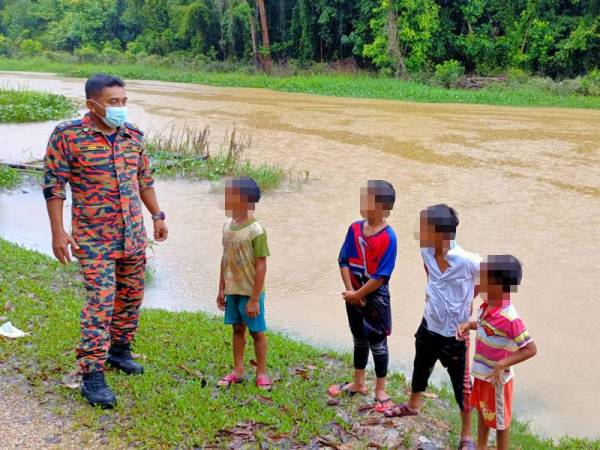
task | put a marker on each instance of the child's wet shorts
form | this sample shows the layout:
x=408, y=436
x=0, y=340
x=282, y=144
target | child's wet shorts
x=494, y=403
x=431, y=347
x=235, y=312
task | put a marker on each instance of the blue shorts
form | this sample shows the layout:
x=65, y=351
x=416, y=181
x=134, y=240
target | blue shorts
x=235, y=312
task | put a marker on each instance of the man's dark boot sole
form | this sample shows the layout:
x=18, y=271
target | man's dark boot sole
x=103, y=405
x=122, y=369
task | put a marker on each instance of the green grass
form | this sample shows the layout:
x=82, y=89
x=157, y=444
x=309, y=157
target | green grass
x=9, y=177
x=21, y=105
x=344, y=85
x=175, y=403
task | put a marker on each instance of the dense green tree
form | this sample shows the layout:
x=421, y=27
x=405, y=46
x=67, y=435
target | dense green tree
x=557, y=38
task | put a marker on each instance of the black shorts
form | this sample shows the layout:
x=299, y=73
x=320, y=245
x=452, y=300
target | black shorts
x=454, y=356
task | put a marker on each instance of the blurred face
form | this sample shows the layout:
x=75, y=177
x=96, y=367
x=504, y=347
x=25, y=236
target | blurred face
x=427, y=235
x=109, y=96
x=490, y=291
x=369, y=208
x=235, y=203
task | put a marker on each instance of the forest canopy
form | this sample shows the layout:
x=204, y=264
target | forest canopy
x=556, y=38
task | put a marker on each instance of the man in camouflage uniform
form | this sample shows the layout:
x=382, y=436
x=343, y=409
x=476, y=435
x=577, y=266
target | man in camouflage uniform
x=102, y=158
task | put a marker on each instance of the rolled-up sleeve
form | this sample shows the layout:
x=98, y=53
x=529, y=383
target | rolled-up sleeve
x=145, y=179
x=57, y=166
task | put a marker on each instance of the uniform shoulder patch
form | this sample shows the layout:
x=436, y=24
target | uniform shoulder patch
x=134, y=128
x=69, y=124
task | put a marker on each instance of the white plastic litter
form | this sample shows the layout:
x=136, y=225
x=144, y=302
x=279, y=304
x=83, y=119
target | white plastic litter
x=10, y=331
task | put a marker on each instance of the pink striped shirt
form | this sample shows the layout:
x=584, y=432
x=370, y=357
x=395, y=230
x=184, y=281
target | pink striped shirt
x=500, y=332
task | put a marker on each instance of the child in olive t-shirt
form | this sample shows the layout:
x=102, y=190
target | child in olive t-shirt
x=241, y=286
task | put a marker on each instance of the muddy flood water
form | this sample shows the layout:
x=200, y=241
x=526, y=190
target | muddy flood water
x=524, y=181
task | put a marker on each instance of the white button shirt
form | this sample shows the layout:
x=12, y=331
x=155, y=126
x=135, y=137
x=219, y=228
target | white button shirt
x=449, y=294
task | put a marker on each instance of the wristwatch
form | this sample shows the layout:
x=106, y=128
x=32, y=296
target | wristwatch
x=159, y=216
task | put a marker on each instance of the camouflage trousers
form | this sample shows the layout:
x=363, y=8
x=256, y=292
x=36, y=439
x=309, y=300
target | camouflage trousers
x=114, y=294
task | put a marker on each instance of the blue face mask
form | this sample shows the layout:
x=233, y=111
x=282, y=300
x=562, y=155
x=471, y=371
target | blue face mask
x=115, y=115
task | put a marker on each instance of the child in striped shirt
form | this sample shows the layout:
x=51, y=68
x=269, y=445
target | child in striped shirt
x=502, y=341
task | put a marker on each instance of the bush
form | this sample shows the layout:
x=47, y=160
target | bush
x=517, y=76
x=449, y=73
x=591, y=83
x=86, y=53
x=6, y=46
x=31, y=47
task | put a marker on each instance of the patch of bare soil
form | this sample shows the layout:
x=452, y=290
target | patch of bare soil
x=28, y=423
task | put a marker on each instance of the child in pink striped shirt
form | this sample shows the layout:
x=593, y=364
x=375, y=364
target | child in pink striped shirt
x=502, y=341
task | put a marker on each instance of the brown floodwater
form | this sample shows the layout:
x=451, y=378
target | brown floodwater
x=525, y=181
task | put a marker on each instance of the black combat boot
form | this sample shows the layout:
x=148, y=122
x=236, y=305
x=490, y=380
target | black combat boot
x=96, y=391
x=119, y=356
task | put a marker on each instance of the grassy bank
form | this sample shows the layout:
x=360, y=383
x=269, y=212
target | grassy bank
x=343, y=85
x=175, y=403
x=22, y=105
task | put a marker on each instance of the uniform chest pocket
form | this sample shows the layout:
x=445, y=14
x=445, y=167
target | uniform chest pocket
x=132, y=155
x=94, y=155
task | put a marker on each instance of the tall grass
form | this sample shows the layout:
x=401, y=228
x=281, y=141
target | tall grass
x=22, y=105
x=335, y=84
x=185, y=153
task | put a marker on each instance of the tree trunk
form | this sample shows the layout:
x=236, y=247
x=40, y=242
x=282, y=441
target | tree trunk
x=265, y=52
x=254, y=39
x=393, y=44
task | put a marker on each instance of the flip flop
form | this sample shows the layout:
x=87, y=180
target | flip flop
x=467, y=442
x=335, y=390
x=264, y=382
x=383, y=404
x=229, y=380
x=400, y=410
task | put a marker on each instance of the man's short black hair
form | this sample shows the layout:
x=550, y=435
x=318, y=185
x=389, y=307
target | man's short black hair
x=96, y=83
x=443, y=218
x=247, y=187
x=384, y=193
x=504, y=270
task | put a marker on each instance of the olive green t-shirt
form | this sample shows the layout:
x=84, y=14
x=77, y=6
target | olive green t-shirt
x=242, y=244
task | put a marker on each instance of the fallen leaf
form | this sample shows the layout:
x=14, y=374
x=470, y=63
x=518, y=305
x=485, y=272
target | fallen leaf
x=253, y=363
x=430, y=395
x=8, y=306
x=266, y=400
x=71, y=385
x=302, y=373
x=333, y=402
x=366, y=407
x=310, y=367
x=371, y=421
x=327, y=442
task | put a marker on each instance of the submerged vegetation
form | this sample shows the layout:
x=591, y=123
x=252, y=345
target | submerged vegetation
x=175, y=404
x=9, y=177
x=22, y=105
x=186, y=153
